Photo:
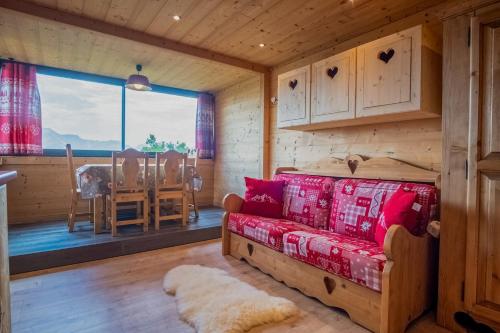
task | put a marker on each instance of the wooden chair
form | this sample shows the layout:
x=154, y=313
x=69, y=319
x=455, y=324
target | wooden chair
x=130, y=188
x=75, y=194
x=171, y=186
x=194, y=184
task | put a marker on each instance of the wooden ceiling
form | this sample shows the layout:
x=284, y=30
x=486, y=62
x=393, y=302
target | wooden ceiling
x=288, y=28
x=29, y=39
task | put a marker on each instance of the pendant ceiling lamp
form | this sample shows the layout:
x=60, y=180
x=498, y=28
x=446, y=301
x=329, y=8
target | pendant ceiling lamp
x=137, y=81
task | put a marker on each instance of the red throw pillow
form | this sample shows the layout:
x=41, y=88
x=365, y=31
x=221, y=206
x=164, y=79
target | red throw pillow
x=263, y=197
x=400, y=209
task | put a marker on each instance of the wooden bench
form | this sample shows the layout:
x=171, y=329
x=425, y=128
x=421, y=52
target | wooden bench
x=409, y=275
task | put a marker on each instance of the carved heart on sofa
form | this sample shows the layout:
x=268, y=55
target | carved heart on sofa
x=329, y=284
x=292, y=84
x=386, y=56
x=250, y=249
x=331, y=72
x=353, y=165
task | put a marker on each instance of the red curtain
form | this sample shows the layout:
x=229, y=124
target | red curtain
x=20, y=116
x=205, y=115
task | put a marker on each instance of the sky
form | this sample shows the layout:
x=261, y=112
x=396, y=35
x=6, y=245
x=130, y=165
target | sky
x=169, y=117
x=93, y=111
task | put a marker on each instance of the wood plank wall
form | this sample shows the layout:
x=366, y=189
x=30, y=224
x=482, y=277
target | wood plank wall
x=239, y=133
x=417, y=142
x=41, y=190
x=238, y=130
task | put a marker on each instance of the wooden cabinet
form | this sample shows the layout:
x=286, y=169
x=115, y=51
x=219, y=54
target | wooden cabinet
x=294, y=96
x=482, y=278
x=469, y=264
x=488, y=256
x=394, y=78
x=386, y=69
x=490, y=121
x=5, y=324
x=399, y=73
x=332, y=88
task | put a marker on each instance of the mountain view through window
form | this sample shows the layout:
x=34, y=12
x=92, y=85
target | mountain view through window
x=88, y=115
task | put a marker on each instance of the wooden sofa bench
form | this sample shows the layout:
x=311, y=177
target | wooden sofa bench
x=408, y=277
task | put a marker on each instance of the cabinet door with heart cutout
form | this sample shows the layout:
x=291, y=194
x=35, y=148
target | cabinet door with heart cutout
x=388, y=74
x=333, y=87
x=294, y=97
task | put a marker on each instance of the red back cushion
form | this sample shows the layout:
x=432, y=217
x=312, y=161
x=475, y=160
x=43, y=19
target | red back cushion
x=307, y=199
x=263, y=197
x=400, y=209
x=358, y=203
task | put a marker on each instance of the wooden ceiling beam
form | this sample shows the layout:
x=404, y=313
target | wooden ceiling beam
x=126, y=33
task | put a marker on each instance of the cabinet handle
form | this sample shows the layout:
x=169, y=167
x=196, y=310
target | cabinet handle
x=331, y=72
x=292, y=84
x=385, y=56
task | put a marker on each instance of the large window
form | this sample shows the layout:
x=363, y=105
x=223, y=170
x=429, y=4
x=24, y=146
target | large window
x=97, y=115
x=170, y=119
x=85, y=114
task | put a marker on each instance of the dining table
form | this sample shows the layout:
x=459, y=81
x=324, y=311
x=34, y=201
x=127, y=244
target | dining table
x=94, y=183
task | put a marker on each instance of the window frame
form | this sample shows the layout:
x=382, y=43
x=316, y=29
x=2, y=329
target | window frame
x=70, y=74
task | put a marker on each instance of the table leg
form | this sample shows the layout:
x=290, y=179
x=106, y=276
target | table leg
x=107, y=212
x=98, y=214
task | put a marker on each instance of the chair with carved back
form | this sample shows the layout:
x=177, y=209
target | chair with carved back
x=130, y=187
x=75, y=194
x=194, y=184
x=170, y=179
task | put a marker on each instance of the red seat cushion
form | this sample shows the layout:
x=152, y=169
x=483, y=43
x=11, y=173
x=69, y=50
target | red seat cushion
x=264, y=230
x=307, y=199
x=358, y=203
x=263, y=197
x=356, y=260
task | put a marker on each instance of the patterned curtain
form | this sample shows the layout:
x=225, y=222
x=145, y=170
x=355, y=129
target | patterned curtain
x=20, y=114
x=205, y=126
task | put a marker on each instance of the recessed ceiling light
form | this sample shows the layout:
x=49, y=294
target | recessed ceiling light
x=176, y=18
x=262, y=45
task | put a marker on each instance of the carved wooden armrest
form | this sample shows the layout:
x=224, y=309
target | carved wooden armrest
x=398, y=242
x=232, y=203
x=408, y=279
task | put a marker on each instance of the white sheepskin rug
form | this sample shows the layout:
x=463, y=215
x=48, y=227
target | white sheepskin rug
x=212, y=301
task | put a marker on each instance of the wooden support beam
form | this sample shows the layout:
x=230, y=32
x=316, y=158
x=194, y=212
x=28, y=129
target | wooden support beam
x=265, y=84
x=456, y=100
x=126, y=33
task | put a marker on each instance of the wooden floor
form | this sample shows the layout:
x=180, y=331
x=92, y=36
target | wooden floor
x=124, y=294
x=45, y=245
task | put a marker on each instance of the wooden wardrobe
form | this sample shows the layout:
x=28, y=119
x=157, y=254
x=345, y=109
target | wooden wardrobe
x=469, y=282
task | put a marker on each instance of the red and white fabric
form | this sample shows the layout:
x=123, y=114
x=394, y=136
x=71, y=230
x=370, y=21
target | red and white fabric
x=358, y=203
x=20, y=110
x=356, y=260
x=263, y=197
x=264, y=230
x=307, y=199
x=400, y=209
